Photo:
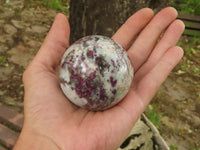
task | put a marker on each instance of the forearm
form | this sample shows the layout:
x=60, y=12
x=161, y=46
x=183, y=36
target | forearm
x=33, y=141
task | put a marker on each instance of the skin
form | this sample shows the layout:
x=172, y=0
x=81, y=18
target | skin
x=52, y=122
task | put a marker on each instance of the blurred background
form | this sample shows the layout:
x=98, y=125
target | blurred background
x=175, y=109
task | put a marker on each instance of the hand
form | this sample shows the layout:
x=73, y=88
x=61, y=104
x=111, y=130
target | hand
x=52, y=122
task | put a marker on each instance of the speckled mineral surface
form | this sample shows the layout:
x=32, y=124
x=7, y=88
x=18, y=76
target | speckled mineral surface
x=95, y=73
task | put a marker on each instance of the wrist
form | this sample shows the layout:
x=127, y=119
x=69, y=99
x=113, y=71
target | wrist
x=32, y=140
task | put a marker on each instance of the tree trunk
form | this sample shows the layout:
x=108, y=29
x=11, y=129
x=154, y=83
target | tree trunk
x=89, y=17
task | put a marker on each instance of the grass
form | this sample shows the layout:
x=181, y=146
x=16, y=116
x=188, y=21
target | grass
x=196, y=148
x=190, y=63
x=62, y=5
x=187, y=6
x=174, y=147
x=10, y=127
x=2, y=145
x=55, y=4
x=1, y=58
x=191, y=46
x=59, y=5
x=153, y=115
x=3, y=61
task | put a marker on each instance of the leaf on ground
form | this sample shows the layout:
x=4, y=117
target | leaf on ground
x=180, y=72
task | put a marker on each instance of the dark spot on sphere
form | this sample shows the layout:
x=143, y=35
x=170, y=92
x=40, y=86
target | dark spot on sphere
x=102, y=64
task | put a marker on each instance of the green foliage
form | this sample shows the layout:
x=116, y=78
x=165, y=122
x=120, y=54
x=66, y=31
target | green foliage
x=173, y=147
x=2, y=145
x=3, y=61
x=196, y=148
x=190, y=46
x=52, y=4
x=62, y=5
x=187, y=6
x=1, y=58
x=190, y=63
x=154, y=116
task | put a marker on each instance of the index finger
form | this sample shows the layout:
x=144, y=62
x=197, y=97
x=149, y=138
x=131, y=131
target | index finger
x=134, y=24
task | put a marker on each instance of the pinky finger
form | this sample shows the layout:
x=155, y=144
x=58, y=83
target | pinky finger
x=150, y=83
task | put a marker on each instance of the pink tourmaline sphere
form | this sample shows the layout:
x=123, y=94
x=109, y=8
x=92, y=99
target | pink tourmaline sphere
x=95, y=73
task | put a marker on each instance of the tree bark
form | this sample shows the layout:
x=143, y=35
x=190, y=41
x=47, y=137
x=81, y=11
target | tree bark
x=89, y=17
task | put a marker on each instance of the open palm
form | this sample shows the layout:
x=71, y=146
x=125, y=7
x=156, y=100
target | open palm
x=47, y=111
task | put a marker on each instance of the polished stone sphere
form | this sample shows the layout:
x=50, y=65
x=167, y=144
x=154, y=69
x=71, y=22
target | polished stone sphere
x=95, y=73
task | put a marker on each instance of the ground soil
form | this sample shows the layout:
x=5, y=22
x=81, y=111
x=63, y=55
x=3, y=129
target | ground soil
x=23, y=27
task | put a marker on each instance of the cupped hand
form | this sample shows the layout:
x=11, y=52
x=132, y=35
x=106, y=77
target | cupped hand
x=48, y=113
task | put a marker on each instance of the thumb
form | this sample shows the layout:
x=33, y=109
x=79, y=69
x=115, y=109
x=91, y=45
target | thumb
x=54, y=44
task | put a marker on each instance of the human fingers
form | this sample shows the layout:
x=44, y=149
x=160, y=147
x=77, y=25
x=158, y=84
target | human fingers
x=169, y=39
x=137, y=99
x=134, y=24
x=145, y=42
x=149, y=84
x=55, y=43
